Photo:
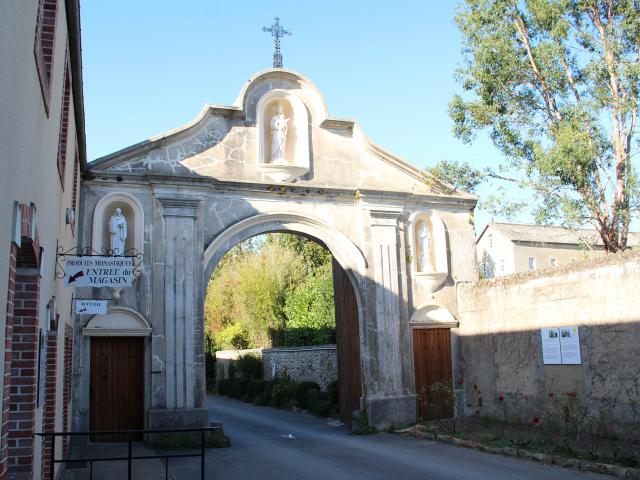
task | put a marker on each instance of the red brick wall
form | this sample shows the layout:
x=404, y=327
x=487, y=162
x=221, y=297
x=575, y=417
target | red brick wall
x=66, y=388
x=64, y=121
x=49, y=413
x=44, y=45
x=24, y=363
x=4, y=435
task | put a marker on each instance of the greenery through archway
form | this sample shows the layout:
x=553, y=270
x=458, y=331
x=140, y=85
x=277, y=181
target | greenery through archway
x=271, y=290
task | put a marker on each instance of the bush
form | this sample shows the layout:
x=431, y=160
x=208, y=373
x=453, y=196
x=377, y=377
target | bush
x=249, y=367
x=320, y=403
x=224, y=386
x=302, y=391
x=210, y=360
x=283, y=393
x=255, y=388
x=188, y=441
x=238, y=388
x=334, y=392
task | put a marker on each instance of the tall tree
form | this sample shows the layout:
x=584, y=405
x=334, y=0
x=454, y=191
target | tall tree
x=556, y=84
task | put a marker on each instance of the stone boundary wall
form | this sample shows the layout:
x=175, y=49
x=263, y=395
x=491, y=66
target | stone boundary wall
x=500, y=321
x=318, y=363
x=225, y=357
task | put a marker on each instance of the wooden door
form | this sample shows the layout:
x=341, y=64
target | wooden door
x=432, y=364
x=347, y=344
x=117, y=386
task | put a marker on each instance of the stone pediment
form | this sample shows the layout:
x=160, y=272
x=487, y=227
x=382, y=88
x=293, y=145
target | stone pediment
x=236, y=144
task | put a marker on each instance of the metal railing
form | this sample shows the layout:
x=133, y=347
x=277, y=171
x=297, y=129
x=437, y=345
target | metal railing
x=51, y=437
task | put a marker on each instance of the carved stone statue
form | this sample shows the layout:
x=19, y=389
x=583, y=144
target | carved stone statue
x=118, y=231
x=424, y=244
x=278, y=135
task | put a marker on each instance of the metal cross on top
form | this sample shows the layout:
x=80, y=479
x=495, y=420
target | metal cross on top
x=278, y=32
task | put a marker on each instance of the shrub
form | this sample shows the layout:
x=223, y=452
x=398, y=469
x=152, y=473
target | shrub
x=302, y=391
x=283, y=393
x=320, y=403
x=249, y=367
x=238, y=388
x=264, y=397
x=224, y=386
x=255, y=388
x=188, y=441
x=334, y=392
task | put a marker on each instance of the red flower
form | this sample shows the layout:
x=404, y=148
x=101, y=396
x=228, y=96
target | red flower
x=501, y=398
x=551, y=394
x=475, y=387
x=572, y=394
x=459, y=382
x=526, y=398
x=535, y=421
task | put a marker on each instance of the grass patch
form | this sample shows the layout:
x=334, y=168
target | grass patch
x=188, y=440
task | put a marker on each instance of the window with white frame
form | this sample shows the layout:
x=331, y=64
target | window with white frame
x=532, y=263
x=553, y=261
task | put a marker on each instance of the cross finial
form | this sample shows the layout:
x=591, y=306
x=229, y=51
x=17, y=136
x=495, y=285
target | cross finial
x=278, y=32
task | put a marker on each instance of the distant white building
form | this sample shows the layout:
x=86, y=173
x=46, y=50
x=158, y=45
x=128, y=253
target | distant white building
x=505, y=248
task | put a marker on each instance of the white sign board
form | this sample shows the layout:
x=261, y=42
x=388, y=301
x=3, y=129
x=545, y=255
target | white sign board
x=91, y=307
x=561, y=346
x=551, y=354
x=570, y=346
x=96, y=271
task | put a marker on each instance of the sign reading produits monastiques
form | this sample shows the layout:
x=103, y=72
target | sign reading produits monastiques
x=91, y=307
x=561, y=346
x=98, y=271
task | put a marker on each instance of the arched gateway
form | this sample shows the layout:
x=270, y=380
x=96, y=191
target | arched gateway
x=274, y=161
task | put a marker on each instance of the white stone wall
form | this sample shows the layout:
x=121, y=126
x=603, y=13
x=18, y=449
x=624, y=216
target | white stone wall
x=500, y=322
x=317, y=364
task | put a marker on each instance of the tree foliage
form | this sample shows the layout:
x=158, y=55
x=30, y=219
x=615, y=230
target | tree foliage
x=275, y=284
x=555, y=82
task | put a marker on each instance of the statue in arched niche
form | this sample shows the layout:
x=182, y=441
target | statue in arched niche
x=118, y=231
x=425, y=247
x=278, y=135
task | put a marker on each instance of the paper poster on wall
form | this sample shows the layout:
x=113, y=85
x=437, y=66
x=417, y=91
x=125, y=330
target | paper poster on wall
x=570, y=346
x=551, y=353
x=561, y=346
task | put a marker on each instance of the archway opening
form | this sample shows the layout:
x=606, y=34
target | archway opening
x=281, y=326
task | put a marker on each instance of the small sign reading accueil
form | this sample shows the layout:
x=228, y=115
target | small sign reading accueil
x=91, y=307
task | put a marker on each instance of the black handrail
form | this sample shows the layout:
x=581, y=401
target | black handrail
x=130, y=457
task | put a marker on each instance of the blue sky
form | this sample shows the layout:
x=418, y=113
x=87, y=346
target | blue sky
x=150, y=66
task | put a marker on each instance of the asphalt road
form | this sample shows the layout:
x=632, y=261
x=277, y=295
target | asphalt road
x=267, y=443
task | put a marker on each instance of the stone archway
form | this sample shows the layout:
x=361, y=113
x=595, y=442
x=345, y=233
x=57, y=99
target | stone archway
x=208, y=185
x=348, y=263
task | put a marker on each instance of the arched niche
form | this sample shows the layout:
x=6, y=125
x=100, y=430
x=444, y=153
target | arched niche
x=295, y=160
x=118, y=322
x=132, y=211
x=428, y=243
x=433, y=316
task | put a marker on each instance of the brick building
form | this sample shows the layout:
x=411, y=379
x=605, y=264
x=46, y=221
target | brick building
x=42, y=153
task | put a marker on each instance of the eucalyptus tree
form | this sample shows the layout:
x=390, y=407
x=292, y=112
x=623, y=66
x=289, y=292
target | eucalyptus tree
x=555, y=83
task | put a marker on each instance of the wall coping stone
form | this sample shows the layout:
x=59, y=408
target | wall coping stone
x=614, y=259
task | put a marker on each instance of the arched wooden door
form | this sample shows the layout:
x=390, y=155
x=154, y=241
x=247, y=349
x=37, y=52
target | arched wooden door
x=347, y=344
